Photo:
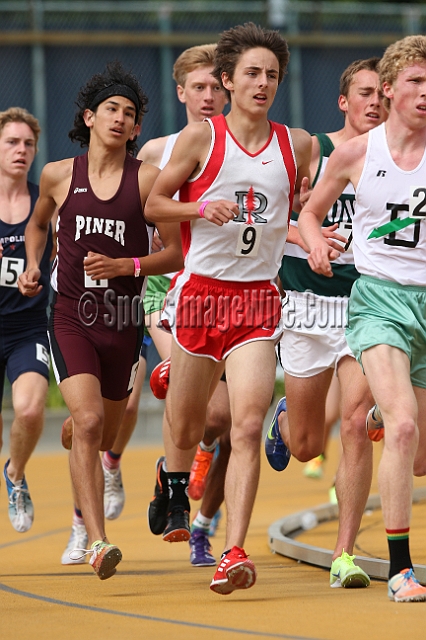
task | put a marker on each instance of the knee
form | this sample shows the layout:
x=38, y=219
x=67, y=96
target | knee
x=217, y=422
x=247, y=433
x=305, y=450
x=306, y=443
x=88, y=428
x=405, y=435
x=353, y=426
x=29, y=414
x=184, y=441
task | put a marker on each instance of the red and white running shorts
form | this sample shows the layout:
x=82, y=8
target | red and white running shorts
x=210, y=317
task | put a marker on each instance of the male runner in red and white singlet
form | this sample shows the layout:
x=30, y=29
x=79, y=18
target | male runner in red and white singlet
x=237, y=176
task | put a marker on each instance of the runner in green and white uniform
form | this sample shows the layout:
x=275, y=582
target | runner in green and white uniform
x=387, y=312
x=313, y=345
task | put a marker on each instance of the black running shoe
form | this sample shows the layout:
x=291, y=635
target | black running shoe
x=177, y=529
x=158, y=507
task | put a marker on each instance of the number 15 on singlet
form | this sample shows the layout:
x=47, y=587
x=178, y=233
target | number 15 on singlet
x=10, y=270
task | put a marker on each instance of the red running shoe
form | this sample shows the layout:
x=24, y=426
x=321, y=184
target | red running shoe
x=235, y=571
x=199, y=470
x=159, y=380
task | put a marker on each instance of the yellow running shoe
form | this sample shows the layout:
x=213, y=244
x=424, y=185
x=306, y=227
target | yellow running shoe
x=344, y=573
x=332, y=496
x=314, y=468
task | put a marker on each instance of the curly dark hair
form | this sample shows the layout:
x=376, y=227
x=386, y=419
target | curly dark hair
x=234, y=42
x=114, y=74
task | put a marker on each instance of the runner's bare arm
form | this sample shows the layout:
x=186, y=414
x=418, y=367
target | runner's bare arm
x=188, y=156
x=302, y=143
x=329, y=234
x=37, y=228
x=99, y=266
x=152, y=151
x=338, y=173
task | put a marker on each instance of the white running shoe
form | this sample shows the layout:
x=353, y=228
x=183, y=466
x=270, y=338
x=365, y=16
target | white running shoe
x=21, y=508
x=78, y=540
x=113, y=493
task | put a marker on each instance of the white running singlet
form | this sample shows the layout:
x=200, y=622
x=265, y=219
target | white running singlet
x=170, y=143
x=386, y=193
x=250, y=247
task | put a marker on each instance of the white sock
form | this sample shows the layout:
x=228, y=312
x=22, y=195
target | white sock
x=209, y=448
x=201, y=522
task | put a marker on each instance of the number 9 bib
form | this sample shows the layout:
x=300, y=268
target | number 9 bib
x=248, y=241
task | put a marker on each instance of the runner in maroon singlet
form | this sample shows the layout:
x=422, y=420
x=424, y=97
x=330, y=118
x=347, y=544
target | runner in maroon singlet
x=103, y=257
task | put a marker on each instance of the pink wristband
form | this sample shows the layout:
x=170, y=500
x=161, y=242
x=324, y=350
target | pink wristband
x=137, y=272
x=203, y=205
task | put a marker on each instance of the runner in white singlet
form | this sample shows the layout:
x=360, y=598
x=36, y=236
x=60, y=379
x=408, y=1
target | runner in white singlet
x=387, y=307
x=237, y=176
x=313, y=345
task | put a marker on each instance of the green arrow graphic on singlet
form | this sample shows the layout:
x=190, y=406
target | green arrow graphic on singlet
x=391, y=227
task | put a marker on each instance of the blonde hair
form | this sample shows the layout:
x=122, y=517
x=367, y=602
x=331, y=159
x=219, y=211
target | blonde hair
x=18, y=114
x=191, y=59
x=398, y=56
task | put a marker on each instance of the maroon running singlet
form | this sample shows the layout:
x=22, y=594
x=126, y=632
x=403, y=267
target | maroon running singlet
x=96, y=327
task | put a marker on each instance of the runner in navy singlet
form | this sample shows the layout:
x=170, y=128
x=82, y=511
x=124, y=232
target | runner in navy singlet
x=104, y=242
x=24, y=348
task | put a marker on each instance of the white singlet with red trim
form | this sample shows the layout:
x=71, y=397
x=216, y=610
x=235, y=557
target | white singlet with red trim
x=250, y=247
x=385, y=193
x=170, y=143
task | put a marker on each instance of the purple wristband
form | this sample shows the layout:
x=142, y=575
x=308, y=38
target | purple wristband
x=203, y=205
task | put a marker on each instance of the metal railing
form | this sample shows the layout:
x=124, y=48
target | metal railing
x=38, y=36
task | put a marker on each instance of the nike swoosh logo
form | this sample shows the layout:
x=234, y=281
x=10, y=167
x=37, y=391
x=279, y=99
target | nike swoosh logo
x=267, y=161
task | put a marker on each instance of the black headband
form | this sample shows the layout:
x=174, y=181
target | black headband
x=116, y=90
